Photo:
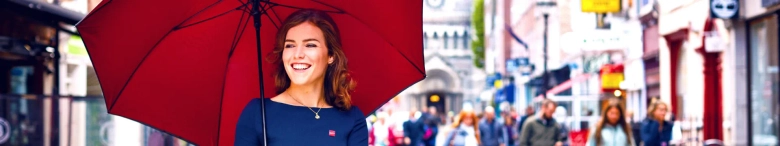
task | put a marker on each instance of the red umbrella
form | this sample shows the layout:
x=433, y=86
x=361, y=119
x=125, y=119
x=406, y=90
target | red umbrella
x=188, y=67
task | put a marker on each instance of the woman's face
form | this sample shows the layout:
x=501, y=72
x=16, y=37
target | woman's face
x=660, y=112
x=468, y=120
x=305, y=54
x=613, y=115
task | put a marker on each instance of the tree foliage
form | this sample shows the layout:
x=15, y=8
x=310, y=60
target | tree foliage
x=478, y=25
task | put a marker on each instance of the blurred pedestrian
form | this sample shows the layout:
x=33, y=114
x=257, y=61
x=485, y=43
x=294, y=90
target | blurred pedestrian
x=612, y=129
x=490, y=129
x=543, y=129
x=529, y=111
x=432, y=122
x=381, y=130
x=656, y=131
x=509, y=128
x=636, y=127
x=464, y=130
x=414, y=130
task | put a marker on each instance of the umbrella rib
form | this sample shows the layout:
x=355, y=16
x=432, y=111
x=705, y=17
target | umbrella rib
x=237, y=38
x=294, y=7
x=277, y=17
x=237, y=35
x=340, y=11
x=150, y=52
x=265, y=11
x=242, y=2
x=210, y=18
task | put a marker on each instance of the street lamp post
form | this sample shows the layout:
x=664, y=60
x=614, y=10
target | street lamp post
x=545, y=7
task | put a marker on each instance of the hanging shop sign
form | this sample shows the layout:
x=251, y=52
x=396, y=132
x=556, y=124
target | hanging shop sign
x=724, y=9
x=521, y=65
x=601, y=6
x=611, y=77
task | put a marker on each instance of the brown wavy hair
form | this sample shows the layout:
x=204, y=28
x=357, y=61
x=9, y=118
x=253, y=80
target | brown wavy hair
x=621, y=122
x=475, y=120
x=338, y=84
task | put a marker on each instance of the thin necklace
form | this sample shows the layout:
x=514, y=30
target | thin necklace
x=316, y=114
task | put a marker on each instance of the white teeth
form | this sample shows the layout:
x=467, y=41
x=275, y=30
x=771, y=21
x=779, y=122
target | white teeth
x=300, y=66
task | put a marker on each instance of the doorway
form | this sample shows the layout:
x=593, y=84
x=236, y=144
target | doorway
x=438, y=100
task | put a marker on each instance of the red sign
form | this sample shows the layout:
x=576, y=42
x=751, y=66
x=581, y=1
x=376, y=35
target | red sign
x=611, y=76
x=578, y=138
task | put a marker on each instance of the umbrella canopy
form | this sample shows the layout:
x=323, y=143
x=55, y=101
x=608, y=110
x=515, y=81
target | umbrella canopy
x=188, y=67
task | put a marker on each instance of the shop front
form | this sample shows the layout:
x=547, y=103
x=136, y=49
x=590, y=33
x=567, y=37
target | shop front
x=764, y=78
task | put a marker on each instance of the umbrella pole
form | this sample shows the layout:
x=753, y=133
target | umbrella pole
x=256, y=14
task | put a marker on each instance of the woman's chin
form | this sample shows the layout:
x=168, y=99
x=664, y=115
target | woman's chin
x=300, y=82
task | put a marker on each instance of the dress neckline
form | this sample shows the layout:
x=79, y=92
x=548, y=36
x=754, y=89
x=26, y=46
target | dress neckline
x=297, y=106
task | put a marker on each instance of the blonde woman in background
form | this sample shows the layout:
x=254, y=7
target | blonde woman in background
x=465, y=131
x=656, y=131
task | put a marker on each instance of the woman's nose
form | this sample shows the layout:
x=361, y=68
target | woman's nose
x=299, y=53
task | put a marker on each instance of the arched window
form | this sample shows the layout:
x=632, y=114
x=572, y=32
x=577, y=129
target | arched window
x=434, y=43
x=446, y=40
x=466, y=40
x=455, y=40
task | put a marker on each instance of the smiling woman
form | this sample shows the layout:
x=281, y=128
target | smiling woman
x=313, y=86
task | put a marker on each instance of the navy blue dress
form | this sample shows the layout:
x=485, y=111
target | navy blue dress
x=290, y=125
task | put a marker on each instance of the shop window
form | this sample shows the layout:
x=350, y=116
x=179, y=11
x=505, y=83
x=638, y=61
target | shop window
x=764, y=81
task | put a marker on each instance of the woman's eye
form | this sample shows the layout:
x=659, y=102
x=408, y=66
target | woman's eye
x=311, y=45
x=289, y=46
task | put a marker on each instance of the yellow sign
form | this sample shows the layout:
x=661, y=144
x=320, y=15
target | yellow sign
x=435, y=98
x=498, y=84
x=611, y=80
x=601, y=6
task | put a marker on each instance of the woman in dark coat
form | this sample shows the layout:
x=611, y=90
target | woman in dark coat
x=655, y=130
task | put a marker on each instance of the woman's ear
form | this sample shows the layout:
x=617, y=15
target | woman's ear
x=330, y=60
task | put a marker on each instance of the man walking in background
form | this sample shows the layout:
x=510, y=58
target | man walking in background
x=543, y=130
x=490, y=132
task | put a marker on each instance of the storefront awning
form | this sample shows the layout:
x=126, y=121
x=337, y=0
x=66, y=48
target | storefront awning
x=566, y=85
x=44, y=12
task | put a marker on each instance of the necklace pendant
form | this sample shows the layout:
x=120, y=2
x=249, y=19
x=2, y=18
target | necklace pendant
x=317, y=116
